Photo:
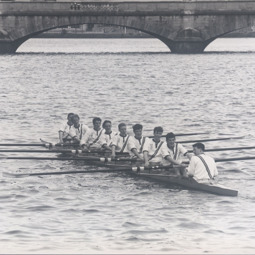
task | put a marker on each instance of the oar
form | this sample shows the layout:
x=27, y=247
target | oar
x=234, y=159
x=105, y=159
x=120, y=169
x=5, y=174
x=41, y=151
x=228, y=159
x=83, y=158
x=185, y=134
x=74, y=151
x=26, y=144
x=230, y=149
x=211, y=140
x=123, y=154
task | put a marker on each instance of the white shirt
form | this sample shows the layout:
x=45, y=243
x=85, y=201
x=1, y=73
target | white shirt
x=79, y=132
x=119, y=141
x=150, y=146
x=138, y=144
x=65, y=128
x=94, y=138
x=177, y=153
x=198, y=170
x=109, y=137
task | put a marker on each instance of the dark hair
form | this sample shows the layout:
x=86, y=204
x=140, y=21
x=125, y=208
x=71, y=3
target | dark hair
x=96, y=119
x=199, y=146
x=105, y=122
x=170, y=135
x=70, y=115
x=158, y=129
x=75, y=116
x=121, y=125
x=137, y=127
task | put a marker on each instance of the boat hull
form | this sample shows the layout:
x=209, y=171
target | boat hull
x=168, y=177
x=190, y=183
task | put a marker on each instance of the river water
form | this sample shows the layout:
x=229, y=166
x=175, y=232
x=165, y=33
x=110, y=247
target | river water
x=126, y=80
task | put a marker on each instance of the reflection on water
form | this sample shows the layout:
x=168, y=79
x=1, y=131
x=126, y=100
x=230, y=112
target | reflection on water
x=131, y=81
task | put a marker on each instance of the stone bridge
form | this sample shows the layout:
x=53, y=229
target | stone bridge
x=185, y=26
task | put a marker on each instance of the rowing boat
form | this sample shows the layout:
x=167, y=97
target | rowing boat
x=159, y=174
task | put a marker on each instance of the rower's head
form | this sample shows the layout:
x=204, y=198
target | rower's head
x=122, y=129
x=170, y=139
x=107, y=125
x=138, y=130
x=198, y=148
x=97, y=123
x=158, y=131
x=70, y=118
x=76, y=120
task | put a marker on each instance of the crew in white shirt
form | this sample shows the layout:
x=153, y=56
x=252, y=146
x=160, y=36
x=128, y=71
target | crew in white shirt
x=136, y=143
x=78, y=131
x=201, y=167
x=119, y=142
x=155, y=150
x=64, y=131
x=175, y=150
x=108, y=134
x=94, y=139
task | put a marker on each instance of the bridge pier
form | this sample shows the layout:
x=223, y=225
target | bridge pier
x=10, y=47
x=187, y=41
x=186, y=47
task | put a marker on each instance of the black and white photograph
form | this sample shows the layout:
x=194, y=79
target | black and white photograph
x=127, y=127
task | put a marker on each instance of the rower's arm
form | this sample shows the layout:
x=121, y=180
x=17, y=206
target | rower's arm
x=85, y=138
x=146, y=158
x=113, y=151
x=76, y=139
x=173, y=161
x=60, y=135
x=134, y=150
x=191, y=167
x=189, y=155
x=106, y=147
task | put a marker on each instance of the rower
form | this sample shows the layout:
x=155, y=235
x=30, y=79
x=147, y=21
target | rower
x=93, y=139
x=201, y=167
x=119, y=142
x=77, y=131
x=64, y=131
x=175, y=150
x=155, y=150
x=136, y=142
x=108, y=134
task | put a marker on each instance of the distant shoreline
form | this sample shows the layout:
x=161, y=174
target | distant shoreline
x=110, y=35
x=91, y=35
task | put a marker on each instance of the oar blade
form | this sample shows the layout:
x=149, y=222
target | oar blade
x=12, y=175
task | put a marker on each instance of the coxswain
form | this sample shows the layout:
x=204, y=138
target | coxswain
x=78, y=130
x=64, y=131
x=94, y=139
x=119, y=142
x=155, y=150
x=202, y=167
x=136, y=142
